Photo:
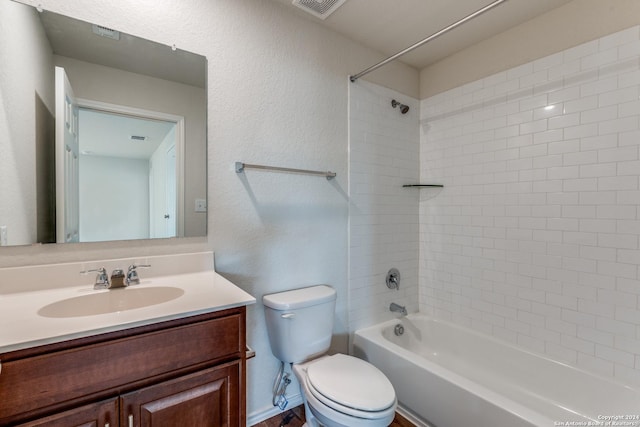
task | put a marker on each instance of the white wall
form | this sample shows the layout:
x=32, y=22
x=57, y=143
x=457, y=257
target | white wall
x=24, y=53
x=107, y=185
x=277, y=94
x=383, y=216
x=535, y=237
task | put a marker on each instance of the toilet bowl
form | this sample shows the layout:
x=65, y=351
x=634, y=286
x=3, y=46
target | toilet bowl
x=338, y=390
x=344, y=391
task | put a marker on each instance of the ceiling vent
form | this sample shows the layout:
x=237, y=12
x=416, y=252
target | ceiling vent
x=105, y=32
x=319, y=8
x=138, y=138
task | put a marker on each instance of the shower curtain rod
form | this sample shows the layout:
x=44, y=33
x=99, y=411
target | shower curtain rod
x=428, y=39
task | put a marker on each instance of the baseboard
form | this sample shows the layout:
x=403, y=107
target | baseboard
x=259, y=416
x=410, y=416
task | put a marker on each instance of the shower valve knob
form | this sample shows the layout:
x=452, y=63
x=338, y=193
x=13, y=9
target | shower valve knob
x=393, y=279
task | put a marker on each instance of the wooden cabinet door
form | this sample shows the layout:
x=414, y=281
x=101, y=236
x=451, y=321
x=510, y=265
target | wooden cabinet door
x=208, y=398
x=101, y=414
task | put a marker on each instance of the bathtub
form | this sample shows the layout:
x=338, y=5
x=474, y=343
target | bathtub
x=449, y=376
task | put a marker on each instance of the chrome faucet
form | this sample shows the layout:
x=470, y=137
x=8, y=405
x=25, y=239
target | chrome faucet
x=102, y=279
x=118, y=278
x=396, y=308
x=132, y=274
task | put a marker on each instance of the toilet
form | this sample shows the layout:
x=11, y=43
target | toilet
x=338, y=390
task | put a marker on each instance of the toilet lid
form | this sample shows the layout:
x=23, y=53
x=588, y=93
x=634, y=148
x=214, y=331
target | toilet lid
x=351, y=382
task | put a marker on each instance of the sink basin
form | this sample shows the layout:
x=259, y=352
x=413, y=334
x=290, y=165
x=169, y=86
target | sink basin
x=111, y=301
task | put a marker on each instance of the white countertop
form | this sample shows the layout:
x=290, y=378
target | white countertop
x=22, y=324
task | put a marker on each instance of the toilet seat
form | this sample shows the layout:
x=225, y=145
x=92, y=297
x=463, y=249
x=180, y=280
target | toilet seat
x=351, y=386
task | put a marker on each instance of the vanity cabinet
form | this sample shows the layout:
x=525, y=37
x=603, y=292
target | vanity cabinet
x=188, y=371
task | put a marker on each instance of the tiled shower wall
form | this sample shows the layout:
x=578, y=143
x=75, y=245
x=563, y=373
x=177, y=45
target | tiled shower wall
x=383, y=216
x=534, y=238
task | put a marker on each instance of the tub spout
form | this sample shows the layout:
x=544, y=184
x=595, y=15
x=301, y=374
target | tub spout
x=396, y=308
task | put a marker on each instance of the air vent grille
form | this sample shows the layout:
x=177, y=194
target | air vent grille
x=319, y=8
x=105, y=32
x=138, y=138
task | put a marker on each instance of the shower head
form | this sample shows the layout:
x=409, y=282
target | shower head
x=403, y=108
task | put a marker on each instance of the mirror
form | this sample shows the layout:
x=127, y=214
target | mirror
x=102, y=134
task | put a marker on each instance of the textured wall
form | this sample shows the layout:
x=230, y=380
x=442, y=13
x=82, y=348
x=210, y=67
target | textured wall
x=535, y=237
x=383, y=216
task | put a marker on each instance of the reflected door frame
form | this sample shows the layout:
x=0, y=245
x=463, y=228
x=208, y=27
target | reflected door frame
x=180, y=145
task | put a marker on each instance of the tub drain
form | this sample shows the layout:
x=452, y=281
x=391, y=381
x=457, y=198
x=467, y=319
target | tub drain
x=398, y=330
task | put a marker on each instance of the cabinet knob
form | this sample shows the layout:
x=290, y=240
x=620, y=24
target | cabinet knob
x=130, y=420
x=106, y=425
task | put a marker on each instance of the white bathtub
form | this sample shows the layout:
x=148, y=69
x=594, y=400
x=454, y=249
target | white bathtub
x=449, y=376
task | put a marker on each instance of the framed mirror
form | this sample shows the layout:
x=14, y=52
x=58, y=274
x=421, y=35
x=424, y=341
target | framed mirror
x=102, y=134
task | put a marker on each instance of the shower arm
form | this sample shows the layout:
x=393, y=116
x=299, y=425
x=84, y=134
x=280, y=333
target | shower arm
x=428, y=39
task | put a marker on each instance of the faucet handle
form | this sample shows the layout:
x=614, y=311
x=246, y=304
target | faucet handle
x=102, y=279
x=132, y=273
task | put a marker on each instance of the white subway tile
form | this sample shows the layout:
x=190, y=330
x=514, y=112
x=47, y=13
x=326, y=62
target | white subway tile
x=619, y=38
x=616, y=269
x=580, y=103
x=631, y=286
x=627, y=344
x=595, y=252
x=615, y=356
x=615, y=327
x=597, y=197
x=616, y=212
x=598, y=59
x=580, y=184
x=625, y=124
x=622, y=241
x=580, y=238
x=563, y=121
x=629, y=50
x=547, y=161
x=566, y=146
x=628, y=168
x=563, y=198
x=580, y=158
x=618, y=183
x=534, y=127
x=535, y=238
x=618, y=96
x=548, y=136
x=596, y=336
x=578, y=344
x=582, y=131
x=565, y=172
x=625, y=226
x=629, y=79
x=598, y=86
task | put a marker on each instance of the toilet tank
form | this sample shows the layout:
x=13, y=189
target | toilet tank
x=300, y=322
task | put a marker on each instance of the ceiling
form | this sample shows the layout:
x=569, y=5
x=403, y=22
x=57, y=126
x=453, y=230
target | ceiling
x=389, y=26
x=107, y=134
x=75, y=39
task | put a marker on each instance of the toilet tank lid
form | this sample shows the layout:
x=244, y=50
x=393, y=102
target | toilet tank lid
x=299, y=298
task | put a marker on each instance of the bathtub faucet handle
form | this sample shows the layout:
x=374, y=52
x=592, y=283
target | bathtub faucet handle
x=396, y=308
